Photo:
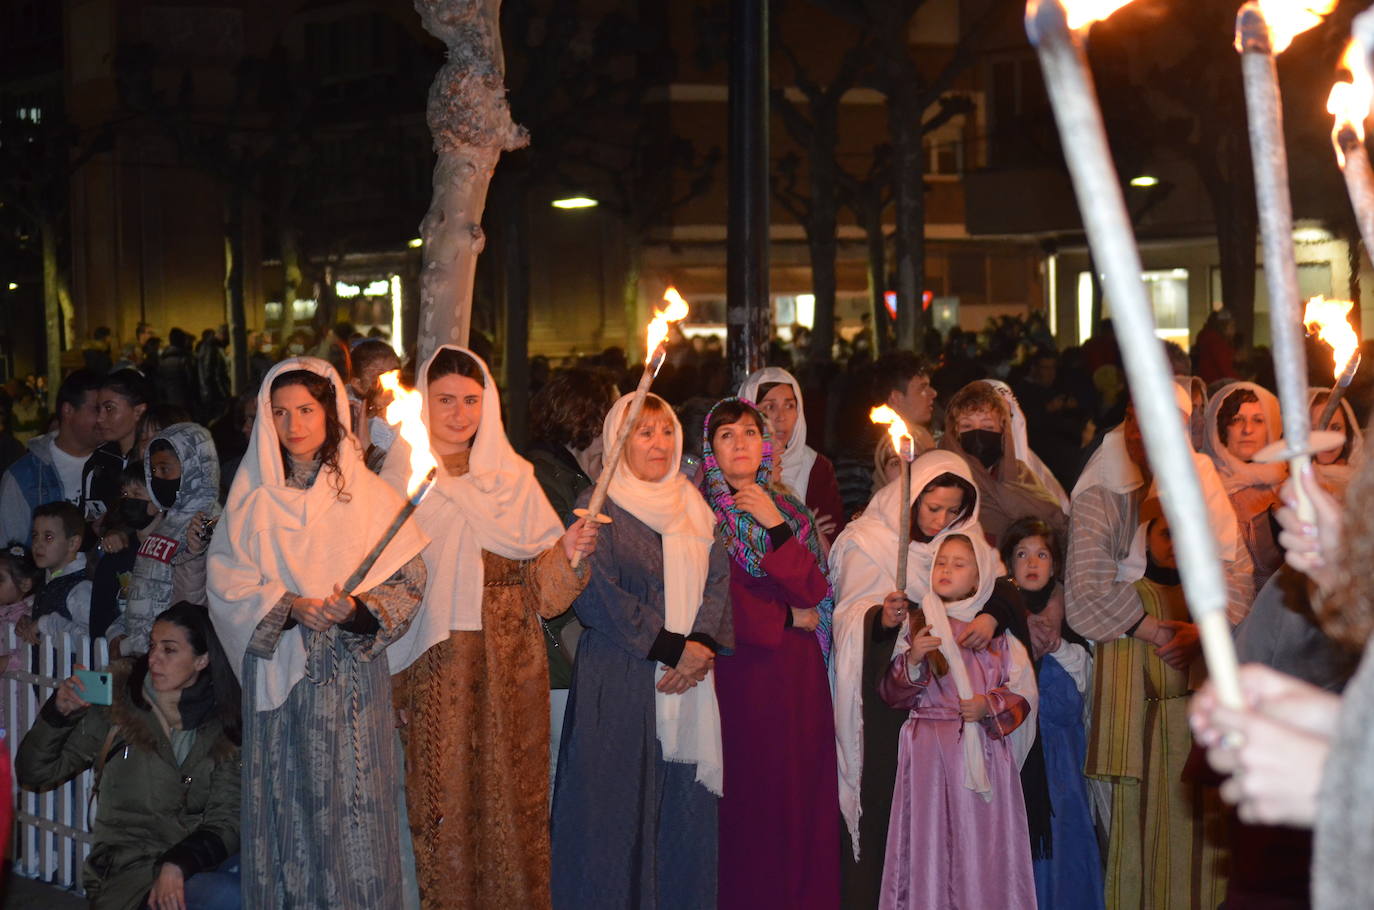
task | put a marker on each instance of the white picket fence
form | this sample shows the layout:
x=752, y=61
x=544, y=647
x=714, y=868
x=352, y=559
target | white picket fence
x=52, y=833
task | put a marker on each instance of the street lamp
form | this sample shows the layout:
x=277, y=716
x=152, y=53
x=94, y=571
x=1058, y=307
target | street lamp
x=1145, y=180
x=574, y=202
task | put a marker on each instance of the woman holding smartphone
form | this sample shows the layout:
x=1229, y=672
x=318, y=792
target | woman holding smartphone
x=166, y=754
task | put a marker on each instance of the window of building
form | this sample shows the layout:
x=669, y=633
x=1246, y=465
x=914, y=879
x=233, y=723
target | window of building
x=1167, y=290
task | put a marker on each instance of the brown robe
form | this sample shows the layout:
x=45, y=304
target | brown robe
x=477, y=741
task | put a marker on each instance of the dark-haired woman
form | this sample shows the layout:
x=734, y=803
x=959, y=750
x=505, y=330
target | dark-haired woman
x=634, y=808
x=1241, y=419
x=123, y=398
x=565, y=428
x=322, y=770
x=471, y=676
x=806, y=472
x=868, y=616
x=778, y=843
x=166, y=753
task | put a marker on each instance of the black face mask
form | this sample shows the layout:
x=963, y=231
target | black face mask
x=984, y=445
x=164, y=491
x=134, y=513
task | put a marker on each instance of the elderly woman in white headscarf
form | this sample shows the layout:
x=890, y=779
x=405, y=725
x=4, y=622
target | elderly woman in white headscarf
x=1241, y=419
x=868, y=615
x=806, y=472
x=640, y=771
x=472, y=671
x=322, y=825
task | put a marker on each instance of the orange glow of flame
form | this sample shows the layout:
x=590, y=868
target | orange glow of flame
x=1349, y=102
x=1083, y=13
x=657, y=332
x=1330, y=319
x=1287, y=19
x=896, y=427
x=404, y=412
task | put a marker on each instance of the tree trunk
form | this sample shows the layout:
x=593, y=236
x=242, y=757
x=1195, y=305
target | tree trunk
x=1237, y=231
x=471, y=123
x=235, y=313
x=872, y=218
x=515, y=239
x=821, y=230
x=629, y=296
x=52, y=309
x=291, y=279
x=904, y=124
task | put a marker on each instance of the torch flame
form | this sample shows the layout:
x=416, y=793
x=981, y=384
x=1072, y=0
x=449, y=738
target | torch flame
x=657, y=332
x=1349, y=102
x=404, y=412
x=1286, y=19
x=1083, y=13
x=1330, y=320
x=896, y=428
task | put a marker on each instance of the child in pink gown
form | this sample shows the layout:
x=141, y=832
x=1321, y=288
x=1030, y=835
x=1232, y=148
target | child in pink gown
x=957, y=838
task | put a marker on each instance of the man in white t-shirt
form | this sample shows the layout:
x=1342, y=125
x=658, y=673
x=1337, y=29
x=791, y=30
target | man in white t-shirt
x=51, y=469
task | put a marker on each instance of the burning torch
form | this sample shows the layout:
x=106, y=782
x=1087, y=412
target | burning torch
x=1329, y=319
x=655, y=336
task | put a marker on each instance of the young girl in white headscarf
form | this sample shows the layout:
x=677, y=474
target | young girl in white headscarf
x=868, y=615
x=806, y=472
x=321, y=759
x=472, y=675
x=957, y=837
x=1335, y=467
x=634, y=805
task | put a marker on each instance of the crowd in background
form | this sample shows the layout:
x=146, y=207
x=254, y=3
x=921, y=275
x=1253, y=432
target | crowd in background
x=1044, y=600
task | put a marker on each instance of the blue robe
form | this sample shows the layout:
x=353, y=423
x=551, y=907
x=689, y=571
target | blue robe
x=629, y=829
x=1071, y=878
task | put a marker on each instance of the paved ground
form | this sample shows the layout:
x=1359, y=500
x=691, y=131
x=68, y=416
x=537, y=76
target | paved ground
x=25, y=894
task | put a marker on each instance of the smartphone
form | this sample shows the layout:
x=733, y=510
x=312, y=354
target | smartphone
x=95, y=686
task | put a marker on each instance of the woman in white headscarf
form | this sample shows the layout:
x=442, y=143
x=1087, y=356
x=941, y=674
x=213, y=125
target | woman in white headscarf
x=471, y=671
x=1334, y=468
x=322, y=825
x=1241, y=419
x=868, y=616
x=808, y=473
x=635, y=798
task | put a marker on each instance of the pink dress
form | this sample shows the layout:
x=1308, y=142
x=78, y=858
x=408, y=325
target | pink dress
x=946, y=846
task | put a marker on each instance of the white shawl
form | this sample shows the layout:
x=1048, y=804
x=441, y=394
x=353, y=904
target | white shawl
x=798, y=458
x=1235, y=474
x=863, y=566
x=1021, y=679
x=1111, y=467
x=688, y=725
x=275, y=538
x=496, y=506
x=1024, y=454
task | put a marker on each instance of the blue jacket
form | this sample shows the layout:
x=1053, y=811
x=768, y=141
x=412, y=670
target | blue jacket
x=29, y=482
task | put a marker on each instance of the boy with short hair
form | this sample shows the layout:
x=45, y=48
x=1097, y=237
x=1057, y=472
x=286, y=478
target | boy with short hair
x=64, y=604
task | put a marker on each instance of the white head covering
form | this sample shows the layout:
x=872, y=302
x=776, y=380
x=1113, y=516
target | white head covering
x=798, y=458
x=1022, y=678
x=276, y=539
x=1236, y=474
x=863, y=566
x=1111, y=467
x=1336, y=477
x=496, y=506
x=688, y=725
x=1024, y=453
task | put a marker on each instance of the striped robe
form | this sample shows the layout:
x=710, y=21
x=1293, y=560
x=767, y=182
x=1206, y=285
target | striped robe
x=322, y=774
x=1162, y=850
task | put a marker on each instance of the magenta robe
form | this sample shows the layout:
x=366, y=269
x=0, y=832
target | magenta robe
x=779, y=817
x=946, y=847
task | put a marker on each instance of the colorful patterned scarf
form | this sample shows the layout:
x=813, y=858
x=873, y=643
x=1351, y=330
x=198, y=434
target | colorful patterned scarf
x=745, y=539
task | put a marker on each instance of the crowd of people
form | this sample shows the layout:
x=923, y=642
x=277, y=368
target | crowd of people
x=722, y=690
